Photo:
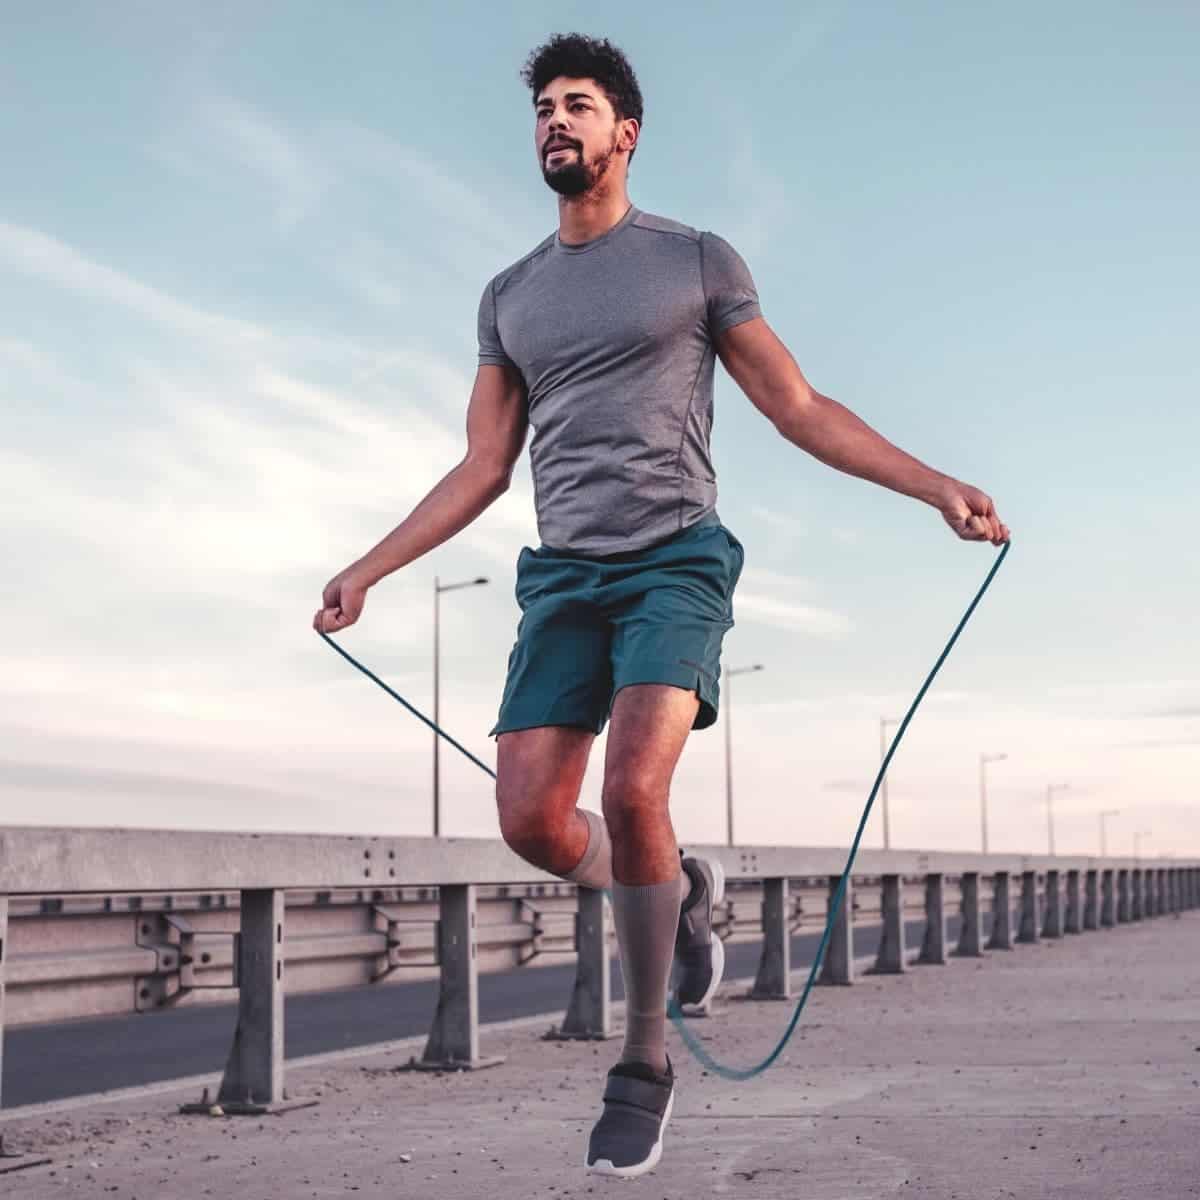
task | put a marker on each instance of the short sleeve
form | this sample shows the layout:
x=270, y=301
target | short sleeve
x=730, y=296
x=490, y=349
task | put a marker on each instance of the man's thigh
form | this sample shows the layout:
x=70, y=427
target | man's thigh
x=649, y=727
x=541, y=770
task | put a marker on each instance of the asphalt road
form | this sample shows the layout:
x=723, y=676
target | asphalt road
x=72, y=1058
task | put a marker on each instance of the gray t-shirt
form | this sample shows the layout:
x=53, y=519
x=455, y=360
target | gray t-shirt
x=614, y=339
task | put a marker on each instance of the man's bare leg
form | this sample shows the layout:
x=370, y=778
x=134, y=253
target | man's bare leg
x=650, y=724
x=539, y=774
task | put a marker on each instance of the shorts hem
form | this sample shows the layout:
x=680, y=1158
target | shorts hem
x=516, y=725
x=676, y=675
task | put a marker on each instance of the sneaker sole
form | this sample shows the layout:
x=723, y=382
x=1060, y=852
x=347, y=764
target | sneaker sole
x=604, y=1166
x=718, y=946
x=718, y=970
x=718, y=881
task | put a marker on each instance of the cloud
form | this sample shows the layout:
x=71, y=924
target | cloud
x=218, y=133
x=765, y=204
x=780, y=521
x=797, y=618
x=1155, y=743
x=493, y=227
x=35, y=363
x=762, y=597
x=46, y=258
x=297, y=178
x=127, y=785
x=859, y=787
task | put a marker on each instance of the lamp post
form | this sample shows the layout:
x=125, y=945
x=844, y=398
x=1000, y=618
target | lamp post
x=1108, y=812
x=1051, y=788
x=729, y=744
x=984, y=759
x=884, y=722
x=438, y=589
x=1137, y=841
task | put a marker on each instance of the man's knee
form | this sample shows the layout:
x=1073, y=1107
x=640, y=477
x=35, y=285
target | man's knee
x=532, y=824
x=631, y=803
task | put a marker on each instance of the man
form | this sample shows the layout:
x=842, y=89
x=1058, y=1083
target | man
x=603, y=338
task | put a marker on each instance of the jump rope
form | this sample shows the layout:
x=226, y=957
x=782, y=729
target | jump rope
x=690, y=1040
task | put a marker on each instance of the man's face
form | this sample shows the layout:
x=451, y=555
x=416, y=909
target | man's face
x=575, y=116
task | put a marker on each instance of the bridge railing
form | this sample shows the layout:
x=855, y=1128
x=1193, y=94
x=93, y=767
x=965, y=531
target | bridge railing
x=65, y=871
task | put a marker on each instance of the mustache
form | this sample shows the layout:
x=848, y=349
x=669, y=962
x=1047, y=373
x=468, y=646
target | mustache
x=559, y=145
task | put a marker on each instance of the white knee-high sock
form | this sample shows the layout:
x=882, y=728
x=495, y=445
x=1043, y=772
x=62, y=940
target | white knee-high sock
x=646, y=917
x=594, y=869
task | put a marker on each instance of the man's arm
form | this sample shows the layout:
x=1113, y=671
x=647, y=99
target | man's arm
x=764, y=369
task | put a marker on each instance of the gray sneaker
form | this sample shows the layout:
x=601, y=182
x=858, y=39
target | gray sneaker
x=627, y=1140
x=699, y=952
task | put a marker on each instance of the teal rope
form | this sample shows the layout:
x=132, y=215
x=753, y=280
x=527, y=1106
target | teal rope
x=690, y=1040
x=673, y=1011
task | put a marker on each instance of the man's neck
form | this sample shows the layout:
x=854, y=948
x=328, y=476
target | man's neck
x=582, y=218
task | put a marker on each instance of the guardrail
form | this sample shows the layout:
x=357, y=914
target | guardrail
x=177, y=946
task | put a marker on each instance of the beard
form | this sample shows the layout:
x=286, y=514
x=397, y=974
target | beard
x=576, y=177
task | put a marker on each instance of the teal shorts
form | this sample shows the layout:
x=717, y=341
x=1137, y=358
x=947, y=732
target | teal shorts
x=593, y=625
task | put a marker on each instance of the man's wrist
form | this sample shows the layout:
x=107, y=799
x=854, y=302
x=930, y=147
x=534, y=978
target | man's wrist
x=935, y=489
x=365, y=573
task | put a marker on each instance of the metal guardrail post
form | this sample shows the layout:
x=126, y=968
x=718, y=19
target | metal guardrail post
x=1074, y=923
x=1028, y=930
x=970, y=937
x=1124, y=911
x=933, y=944
x=1160, y=892
x=838, y=967
x=1173, y=890
x=774, y=964
x=253, y=1077
x=1108, y=908
x=891, y=958
x=1001, y=938
x=1091, y=909
x=3, y=951
x=1052, y=926
x=454, y=1039
x=589, y=1013
x=1136, y=904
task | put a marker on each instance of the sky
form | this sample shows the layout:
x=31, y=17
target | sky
x=241, y=250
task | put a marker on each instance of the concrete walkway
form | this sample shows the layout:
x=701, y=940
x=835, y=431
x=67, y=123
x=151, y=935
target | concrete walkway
x=1066, y=1069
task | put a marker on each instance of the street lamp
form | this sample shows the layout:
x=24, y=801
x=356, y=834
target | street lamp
x=1108, y=812
x=1137, y=841
x=984, y=759
x=729, y=744
x=1050, y=790
x=884, y=722
x=438, y=589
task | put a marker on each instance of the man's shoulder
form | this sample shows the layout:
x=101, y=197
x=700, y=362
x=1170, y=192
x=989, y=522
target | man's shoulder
x=522, y=265
x=666, y=225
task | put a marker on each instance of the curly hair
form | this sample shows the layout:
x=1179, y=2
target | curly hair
x=579, y=57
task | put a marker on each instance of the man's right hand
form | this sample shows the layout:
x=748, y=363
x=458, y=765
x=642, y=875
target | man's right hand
x=342, y=602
